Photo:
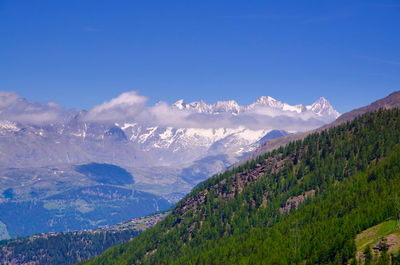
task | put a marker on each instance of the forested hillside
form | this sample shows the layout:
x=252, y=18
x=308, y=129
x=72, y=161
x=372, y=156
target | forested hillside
x=303, y=203
x=60, y=248
x=341, y=181
x=71, y=247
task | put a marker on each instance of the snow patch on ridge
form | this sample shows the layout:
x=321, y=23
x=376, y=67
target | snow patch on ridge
x=8, y=125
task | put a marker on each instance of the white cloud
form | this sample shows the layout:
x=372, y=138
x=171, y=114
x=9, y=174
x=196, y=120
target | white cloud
x=15, y=108
x=131, y=107
x=126, y=106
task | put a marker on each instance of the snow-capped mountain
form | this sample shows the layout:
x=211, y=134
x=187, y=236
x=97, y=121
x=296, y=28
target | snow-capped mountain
x=276, y=104
x=321, y=107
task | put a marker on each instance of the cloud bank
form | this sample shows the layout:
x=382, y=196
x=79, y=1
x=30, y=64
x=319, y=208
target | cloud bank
x=131, y=107
x=126, y=106
x=17, y=109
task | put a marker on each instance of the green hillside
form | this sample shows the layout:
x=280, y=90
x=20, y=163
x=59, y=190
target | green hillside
x=301, y=204
x=71, y=247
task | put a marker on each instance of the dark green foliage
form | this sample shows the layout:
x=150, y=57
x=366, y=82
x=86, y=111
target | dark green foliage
x=106, y=174
x=237, y=217
x=61, y=248
x=368, y=255
x=384, y=257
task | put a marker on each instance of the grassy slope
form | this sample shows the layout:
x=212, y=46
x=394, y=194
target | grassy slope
x=389, y=230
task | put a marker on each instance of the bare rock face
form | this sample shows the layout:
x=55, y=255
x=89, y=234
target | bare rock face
x=294, y=202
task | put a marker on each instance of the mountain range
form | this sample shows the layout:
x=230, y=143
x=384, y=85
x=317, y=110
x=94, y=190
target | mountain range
x=109, y=136
x=165, y=149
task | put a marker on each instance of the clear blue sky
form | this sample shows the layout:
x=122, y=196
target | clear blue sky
x=81, y=53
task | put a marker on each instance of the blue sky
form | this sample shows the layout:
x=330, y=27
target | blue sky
x=82, y=53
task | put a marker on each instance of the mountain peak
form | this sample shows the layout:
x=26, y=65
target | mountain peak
x=322, y=107
x=322, y=99
x=179, y=104
x=265, y=100
x=227, y=106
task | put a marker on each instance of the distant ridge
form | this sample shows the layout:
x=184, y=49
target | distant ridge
x=320, y=107
x=390, y=102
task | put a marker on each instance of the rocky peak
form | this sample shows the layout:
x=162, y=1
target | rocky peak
x=267, y=100
x=180, y=104
x=227, y=106
x=322, y=107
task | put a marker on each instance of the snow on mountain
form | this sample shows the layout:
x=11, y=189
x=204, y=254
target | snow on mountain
x=179, y=145
x=8, y=126
x=321, y=107
x=174, y=146
x=201, y=106
x=276, y=104
x=181, y=138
